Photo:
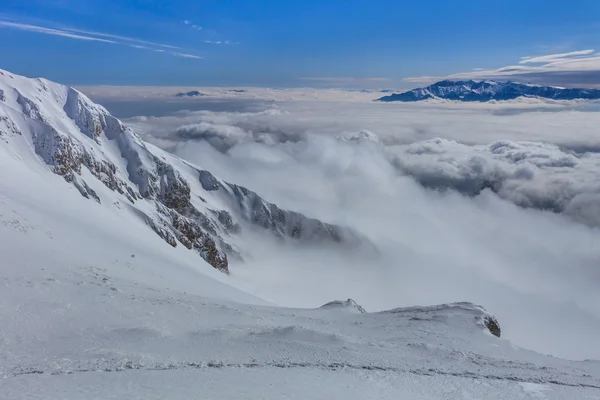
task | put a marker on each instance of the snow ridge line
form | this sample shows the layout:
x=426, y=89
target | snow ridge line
x=130, y=365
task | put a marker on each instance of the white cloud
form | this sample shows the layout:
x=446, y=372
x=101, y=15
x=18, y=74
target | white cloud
x=546, y=167
x=535, y=269
x=530, y=174
x=80, y=34
x=50, y=31
x=220, y=42
x=119, y=37
x=576, y=68
x=185, y=55
x=555, y=57
x=191, y=24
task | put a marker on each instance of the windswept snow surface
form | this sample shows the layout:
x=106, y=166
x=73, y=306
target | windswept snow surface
x=94, y=305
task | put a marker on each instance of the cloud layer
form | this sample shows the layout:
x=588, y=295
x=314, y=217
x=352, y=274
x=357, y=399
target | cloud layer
x=491, y=203
x=529, y=174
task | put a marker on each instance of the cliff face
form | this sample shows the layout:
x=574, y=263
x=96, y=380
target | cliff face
x=107, y=162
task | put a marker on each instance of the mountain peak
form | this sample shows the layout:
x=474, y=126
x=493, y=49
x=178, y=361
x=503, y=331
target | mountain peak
x=489, y=90
x=107, y=162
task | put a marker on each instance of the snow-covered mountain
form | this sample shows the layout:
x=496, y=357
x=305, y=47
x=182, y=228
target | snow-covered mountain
x=490, y=90
x=103, y=294
x=193, y=93
x=109, y=164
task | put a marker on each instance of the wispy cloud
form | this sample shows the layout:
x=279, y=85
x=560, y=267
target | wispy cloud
x=81, y=34
x=118, y=37
x=555, y=57
x=575, y=68
x=185, y=55
x=50, y=31
x=191, y=24
x=226, y=42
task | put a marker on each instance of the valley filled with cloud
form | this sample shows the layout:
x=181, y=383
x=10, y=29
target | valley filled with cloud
x=495, y=203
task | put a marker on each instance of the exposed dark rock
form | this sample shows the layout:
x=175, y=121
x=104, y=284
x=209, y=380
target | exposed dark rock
x=226, y=221
x=282, y=223
x=58, y=151
x=192, y=236
x=174, y=191
x=492, y=324
x=106, y=173
x=208, y=181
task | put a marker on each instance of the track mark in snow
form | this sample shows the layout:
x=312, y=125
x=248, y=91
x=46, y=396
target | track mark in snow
x=529, y=385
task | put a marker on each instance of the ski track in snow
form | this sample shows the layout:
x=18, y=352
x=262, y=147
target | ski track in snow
x=331, y=367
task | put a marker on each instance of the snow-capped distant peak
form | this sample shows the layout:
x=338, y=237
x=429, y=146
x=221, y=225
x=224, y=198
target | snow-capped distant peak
x=348, y=305
x=490, y=90
x=359, y=136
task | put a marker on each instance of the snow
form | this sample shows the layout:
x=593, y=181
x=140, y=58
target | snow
x=485, y=91
x=93, y=304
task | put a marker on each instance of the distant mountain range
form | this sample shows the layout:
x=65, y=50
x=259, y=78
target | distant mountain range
x=193, y=93
x=196, y=93
x=490, y=90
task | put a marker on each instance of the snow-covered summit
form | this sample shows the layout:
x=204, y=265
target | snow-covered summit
x=348, y=305
x=42, y=121
x=490, y=90
x=192, y=93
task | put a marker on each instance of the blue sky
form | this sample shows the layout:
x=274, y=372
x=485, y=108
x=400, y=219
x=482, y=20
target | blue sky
x=354, y=43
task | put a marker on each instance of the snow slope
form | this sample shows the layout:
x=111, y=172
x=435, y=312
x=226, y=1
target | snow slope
x=490, y=90
x=95, y=305
x=108, y=162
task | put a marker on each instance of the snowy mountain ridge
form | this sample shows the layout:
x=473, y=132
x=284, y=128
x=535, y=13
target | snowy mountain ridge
x=489, y=90
x=94, y=304
x=183, y=204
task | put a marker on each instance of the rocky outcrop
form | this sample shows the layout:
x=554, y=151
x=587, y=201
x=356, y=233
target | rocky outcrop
x=80, y=141
x=192, y=227
x=349, y=305
x=164, y=185
x=59, y=151
x=492, y=324
x=282, y=223
x=452, y=313
x=106, y=172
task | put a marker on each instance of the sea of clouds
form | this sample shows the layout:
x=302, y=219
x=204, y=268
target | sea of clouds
x=497, y=204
